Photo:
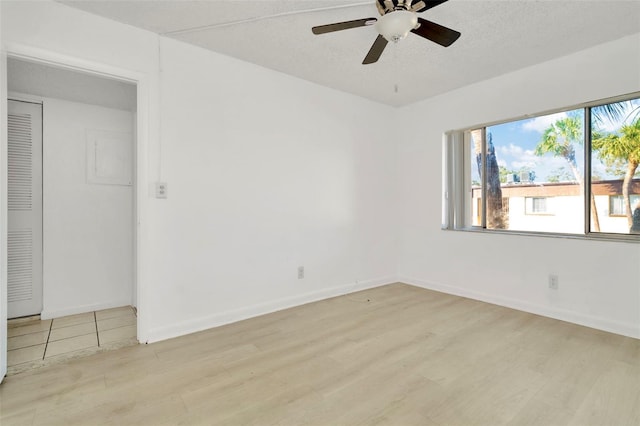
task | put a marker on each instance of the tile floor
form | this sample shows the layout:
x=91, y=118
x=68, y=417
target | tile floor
x=33, y=342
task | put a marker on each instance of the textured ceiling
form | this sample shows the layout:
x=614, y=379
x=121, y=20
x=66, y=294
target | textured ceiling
x=497, y=37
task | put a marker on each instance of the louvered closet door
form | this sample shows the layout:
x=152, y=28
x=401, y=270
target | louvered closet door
x=24, y=237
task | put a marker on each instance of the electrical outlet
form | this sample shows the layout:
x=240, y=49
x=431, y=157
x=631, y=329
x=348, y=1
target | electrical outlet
x=300, y=272
x=553, y=282
x=161, y=190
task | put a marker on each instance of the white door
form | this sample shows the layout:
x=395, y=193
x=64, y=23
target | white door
x=24, y=200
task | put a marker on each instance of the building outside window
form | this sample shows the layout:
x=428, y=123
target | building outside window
x=575, y=171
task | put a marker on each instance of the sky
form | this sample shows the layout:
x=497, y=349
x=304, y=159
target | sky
x=515, y=143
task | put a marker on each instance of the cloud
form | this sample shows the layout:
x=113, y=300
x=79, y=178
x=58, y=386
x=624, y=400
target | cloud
x=540, y=124
x=518, y=156
x=526, y=164
x=515, y=157
x=516, y=151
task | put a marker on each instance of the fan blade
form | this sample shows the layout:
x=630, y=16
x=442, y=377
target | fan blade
x=339, y=26
x=422, y=5
x=375, y=51
x=437, y=33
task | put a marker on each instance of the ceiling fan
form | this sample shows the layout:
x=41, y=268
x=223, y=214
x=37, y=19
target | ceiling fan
x=398, y=18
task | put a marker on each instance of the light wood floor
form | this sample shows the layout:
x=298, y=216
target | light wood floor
x=395, y=355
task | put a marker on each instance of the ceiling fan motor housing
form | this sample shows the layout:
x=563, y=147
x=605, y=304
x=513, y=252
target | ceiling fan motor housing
x=386, y=6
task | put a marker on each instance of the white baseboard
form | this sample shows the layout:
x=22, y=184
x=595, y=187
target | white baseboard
x=63, y=312
x=227, y=317
x=600, y=323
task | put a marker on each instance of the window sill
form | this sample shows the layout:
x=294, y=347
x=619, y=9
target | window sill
x=618, y=238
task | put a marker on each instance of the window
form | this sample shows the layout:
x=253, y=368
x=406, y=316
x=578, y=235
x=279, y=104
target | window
x=615, y=171
x=536, y=205
x=522, y=171
x=570, y=172
x=617, y=205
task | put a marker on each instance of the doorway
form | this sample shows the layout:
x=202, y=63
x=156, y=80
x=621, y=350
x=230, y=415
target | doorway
x=79, y=202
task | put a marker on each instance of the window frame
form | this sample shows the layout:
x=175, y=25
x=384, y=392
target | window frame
x=457, y=183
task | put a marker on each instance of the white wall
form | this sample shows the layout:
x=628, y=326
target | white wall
x=87, y=227
x=599, y=281
x=266, y=173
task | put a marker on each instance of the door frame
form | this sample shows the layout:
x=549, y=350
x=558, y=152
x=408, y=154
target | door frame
x=142, y=82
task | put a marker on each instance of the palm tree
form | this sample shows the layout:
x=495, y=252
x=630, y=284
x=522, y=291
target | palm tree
x=615, y=112
x=624, y=146
x=559, y=139
x=494, y=212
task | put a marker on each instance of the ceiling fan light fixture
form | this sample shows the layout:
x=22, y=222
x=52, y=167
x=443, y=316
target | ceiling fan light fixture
x=395, y=26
